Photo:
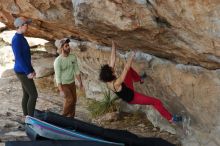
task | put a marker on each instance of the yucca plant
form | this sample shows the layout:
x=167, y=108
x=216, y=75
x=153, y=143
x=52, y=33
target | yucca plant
x=108, y=104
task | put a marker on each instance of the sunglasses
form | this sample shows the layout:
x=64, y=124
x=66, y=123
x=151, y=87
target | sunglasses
x=24, y=24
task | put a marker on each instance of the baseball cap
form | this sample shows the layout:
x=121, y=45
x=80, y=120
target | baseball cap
x=62, y=42
x=21, y=21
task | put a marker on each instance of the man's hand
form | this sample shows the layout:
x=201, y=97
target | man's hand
x=61, y=90
x=62, y=94
x=31, y=75
x=34, y=74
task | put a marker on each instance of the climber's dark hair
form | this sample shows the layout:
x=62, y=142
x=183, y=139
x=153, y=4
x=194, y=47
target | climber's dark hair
x=106, y=73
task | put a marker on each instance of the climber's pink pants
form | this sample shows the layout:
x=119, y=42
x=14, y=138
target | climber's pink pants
x=131, y=77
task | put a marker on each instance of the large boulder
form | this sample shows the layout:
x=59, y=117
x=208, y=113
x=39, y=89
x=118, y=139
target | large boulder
x=43, y=66
x=186, y=32
x=191, y=91
x=180, y=38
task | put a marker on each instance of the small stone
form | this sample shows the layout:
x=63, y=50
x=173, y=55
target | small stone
x=141, y=125
x=154, y=129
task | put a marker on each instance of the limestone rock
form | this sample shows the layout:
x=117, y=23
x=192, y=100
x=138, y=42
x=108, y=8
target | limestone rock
x=180, y=38
x=2, y=26
x=186, y=32
x=43, y=67
x=8, y=73
x=109, y=117
x=33, y=42
x=50, y=48
x=183, y=89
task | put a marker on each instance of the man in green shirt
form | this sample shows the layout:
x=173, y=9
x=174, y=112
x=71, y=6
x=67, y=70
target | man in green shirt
x=66, y=70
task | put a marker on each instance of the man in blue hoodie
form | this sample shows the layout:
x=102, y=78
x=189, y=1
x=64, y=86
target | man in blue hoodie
x=23, y=67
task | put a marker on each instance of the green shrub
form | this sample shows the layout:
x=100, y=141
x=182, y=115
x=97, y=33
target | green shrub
x=108, y=104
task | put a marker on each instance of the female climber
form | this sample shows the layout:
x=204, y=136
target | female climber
x=123, y=86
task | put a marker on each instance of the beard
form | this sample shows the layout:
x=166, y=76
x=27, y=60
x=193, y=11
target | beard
x=67, y=52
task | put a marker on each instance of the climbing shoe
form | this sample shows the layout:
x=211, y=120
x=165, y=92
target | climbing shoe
x=143, y=76
x=177, y=118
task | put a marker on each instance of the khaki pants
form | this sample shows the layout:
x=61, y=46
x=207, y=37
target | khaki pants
x=69, y=99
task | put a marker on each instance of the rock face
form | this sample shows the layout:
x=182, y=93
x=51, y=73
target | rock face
x=43, y=67
x=180, y=39
x=186, y=32
x=191, y=91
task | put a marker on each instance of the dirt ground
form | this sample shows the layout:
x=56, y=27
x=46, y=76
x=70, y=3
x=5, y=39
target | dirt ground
x=10, y=112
